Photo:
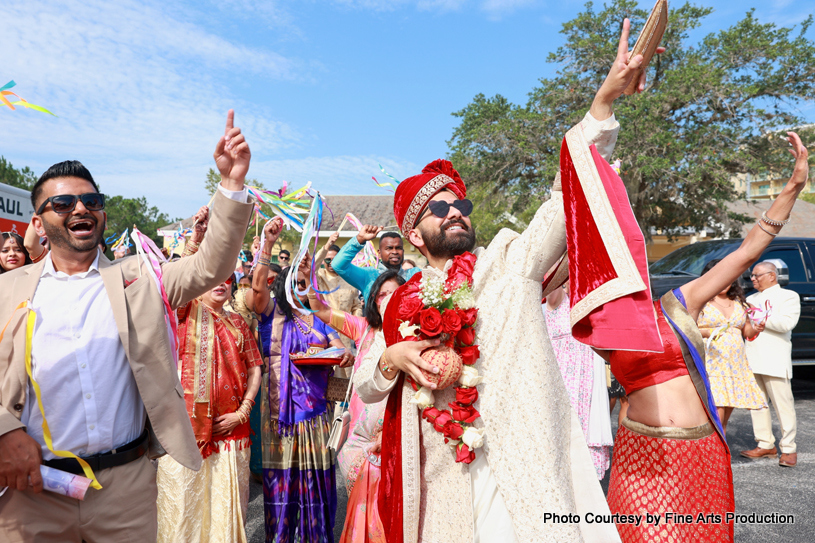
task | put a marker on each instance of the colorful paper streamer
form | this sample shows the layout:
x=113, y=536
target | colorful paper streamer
x=20, y=102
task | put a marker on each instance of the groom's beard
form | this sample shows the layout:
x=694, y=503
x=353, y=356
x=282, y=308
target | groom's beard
x=440, y=244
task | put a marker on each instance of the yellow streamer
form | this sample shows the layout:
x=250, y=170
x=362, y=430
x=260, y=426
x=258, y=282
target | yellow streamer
x=46, y=431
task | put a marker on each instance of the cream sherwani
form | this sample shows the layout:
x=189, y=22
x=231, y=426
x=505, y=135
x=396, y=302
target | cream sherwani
x=770, y=358
x=535, y=459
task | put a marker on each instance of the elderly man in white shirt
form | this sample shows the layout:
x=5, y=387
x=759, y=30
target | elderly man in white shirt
x=770, y=358
x=86, y=361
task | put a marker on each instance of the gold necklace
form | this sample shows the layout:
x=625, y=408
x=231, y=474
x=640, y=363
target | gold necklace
x=297, y=322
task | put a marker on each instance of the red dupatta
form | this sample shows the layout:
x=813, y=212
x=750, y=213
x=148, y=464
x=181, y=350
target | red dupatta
x=609, y=289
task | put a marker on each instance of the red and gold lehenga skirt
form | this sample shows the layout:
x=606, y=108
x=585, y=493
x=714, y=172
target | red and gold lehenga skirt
x=681, y=474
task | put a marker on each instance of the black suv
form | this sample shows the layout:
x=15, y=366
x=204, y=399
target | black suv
x=686, y=263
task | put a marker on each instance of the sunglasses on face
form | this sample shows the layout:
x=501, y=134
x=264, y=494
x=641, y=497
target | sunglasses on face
x=229, y=281
x=301, y=284
x=327, y=260
x=66, y=203
x=243, y=286
x=441, y=208
x=283, y=258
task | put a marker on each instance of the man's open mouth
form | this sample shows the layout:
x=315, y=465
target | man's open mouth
x=456, y=227
x=82, y=227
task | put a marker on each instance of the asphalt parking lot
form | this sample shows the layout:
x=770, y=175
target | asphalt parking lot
x=762, y=486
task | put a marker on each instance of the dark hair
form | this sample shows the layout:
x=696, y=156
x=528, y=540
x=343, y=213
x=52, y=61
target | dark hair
x=283, y=251
x=735, y=292
x=371, y=310
x=69, y=168
x=16, y=237
x=279, y=291
x=275, y=268
x=390, y=234
x=334, y=248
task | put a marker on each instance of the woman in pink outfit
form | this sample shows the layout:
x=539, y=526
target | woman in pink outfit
x=578, y=364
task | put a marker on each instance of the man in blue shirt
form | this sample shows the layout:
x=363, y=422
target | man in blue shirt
x=391, y=256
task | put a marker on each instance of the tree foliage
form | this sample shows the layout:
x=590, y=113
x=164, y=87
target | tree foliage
x=23, y=178
x=127, y=212
x=712, y=109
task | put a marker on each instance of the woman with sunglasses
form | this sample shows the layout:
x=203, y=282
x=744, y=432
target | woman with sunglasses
x=299, y=485
x=358, y=459
x=220, y=372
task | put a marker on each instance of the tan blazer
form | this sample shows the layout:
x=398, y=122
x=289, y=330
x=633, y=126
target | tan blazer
x=139, y=314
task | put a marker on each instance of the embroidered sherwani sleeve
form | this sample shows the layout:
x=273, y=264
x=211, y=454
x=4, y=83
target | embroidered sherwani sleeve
x=190, y=277
x=371, y=385
x=544, y=241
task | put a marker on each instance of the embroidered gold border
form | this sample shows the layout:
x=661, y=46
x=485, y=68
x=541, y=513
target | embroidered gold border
x=628, y=278
x=421, y=198
x=669, y=432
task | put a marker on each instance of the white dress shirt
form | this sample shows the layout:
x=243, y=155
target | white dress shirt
x=89, y=394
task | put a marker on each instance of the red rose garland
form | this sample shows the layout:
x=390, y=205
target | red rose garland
x=428, y=310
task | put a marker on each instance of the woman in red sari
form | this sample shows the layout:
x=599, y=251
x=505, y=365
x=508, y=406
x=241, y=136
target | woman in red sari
x=670, y=454
x=219, y=363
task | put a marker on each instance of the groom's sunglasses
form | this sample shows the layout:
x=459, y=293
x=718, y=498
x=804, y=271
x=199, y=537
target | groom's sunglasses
x=441, y=208
x=66, y=203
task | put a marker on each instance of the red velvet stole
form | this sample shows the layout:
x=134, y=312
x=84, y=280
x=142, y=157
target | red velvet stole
x=622, y=316
x=391, y=498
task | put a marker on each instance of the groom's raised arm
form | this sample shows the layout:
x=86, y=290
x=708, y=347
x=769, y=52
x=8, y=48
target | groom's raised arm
x=544, y=241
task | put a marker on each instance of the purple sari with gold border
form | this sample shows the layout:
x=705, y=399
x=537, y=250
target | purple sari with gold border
x=299, y=488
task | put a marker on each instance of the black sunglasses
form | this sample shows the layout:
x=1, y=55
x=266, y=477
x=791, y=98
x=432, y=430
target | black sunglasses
x=66, y=203
x=327, y=260
x=301, y=284
x=283, y=257
x=440, y=208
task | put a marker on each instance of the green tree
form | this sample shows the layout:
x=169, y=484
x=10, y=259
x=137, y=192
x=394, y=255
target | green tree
x=711, y=110
x=127, y=212
x=23, y=178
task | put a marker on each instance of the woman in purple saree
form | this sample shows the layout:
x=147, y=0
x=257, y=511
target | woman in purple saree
x=299, y=488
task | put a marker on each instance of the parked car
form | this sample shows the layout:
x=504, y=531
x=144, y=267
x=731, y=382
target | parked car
x=798, y=256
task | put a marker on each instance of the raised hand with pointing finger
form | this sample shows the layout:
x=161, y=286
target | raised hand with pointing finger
x=232, y=155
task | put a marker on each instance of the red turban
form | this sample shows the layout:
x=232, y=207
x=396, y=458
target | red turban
x=413, y=193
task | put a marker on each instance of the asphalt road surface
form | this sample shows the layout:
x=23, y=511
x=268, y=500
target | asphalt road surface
x=762, y=486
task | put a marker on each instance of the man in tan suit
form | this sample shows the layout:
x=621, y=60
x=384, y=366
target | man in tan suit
x=770, y=358
x=102, y=358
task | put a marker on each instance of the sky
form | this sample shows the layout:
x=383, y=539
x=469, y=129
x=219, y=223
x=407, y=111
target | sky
x=323, y=90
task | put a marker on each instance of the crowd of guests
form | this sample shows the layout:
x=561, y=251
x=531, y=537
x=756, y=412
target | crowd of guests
x=195, y=364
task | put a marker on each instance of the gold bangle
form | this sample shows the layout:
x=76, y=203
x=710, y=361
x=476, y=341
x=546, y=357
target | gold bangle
x=42, y=255
x=384, y=361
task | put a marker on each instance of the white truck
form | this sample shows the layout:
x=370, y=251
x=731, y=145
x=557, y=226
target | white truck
x=15, y=209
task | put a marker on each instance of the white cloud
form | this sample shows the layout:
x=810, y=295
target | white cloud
x=141, y=92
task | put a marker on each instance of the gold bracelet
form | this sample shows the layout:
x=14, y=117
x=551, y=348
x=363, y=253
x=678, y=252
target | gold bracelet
x=42, y=255
x=384, y=361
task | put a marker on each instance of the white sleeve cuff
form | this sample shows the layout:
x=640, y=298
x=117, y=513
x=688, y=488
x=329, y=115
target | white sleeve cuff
x=241, y=196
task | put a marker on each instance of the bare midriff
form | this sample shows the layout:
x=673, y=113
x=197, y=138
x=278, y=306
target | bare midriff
x=674, y=403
